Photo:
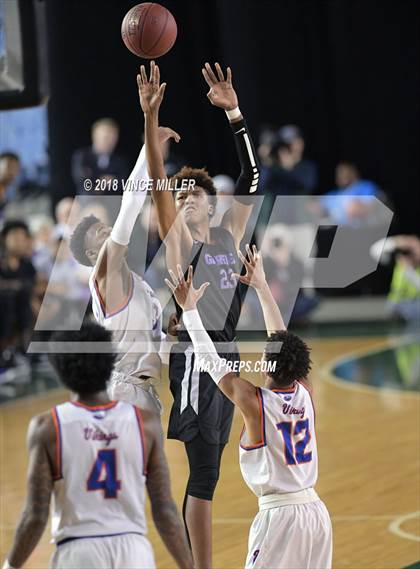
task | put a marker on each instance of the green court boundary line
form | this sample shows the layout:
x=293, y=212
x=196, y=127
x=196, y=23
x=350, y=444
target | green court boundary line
x=328, y=375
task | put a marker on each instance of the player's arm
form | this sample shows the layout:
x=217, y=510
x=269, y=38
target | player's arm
x=255, y=277
x=112, y=283
x=34, y=517
x=241, y=392
x=172, y=228
x=112, y=254
x=164, y=510
x=222, y=95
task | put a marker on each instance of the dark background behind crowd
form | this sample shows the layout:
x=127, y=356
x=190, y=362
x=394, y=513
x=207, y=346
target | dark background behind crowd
x=346, y=72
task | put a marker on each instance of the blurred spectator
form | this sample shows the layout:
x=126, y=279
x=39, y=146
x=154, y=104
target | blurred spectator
x=17, y=282
x=266, y=141
x=65, y=225
x=19, y=199
x=290, y=174
x=286, y=273
x=67, y=293
x=9, y=171
x=404, y=294
x=353, y=201
x=42, y=229
x=100, y=160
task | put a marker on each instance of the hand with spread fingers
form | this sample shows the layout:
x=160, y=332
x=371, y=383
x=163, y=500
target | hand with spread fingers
x=255, y=275
x=150, y=90
x=184, y=292
x=221, y=94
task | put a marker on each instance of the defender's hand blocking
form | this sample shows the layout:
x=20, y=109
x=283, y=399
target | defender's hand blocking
x=255, y=275
x=150, y=90
x=221, y=94
x=185, y=294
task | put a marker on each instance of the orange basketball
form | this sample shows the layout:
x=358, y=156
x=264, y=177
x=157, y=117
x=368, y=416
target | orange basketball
x=149, y=30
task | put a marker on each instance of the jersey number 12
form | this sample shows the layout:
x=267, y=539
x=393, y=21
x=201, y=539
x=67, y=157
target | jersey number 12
x=295, y=452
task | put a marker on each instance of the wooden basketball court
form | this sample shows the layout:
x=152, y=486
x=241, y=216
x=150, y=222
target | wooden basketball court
x=368, y=443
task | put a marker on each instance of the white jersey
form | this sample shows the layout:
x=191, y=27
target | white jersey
x=100, y=471
x=136, y=329
x=286, y=460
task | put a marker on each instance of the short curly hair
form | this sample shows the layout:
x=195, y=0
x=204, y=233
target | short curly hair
x=291, y=360
x=83, y=373
x=77, y=241
x=201, y=177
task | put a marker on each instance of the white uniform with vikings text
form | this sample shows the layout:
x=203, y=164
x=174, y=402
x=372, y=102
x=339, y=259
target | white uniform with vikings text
x=136, y=331
x=98, y=517
x=293, y=527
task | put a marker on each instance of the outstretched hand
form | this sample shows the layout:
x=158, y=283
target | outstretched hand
x=255, y=275
x=184, y=292
x=166, y=133
x=150, y=90
x=221, y=94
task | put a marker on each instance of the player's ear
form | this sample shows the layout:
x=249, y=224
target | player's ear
x=91, y=254
x=211, y=210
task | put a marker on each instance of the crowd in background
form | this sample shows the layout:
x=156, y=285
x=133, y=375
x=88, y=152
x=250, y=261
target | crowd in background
x=34, y=238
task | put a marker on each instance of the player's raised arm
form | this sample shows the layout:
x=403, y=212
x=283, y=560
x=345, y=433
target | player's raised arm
x=164, y=510
x=34, y=517
x=255, y=277
x=135, y=191
x=241, y=392
x=172, y=229
x=223, y=95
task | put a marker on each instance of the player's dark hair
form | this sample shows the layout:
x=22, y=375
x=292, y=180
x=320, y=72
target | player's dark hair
x=77, y=241
x=202, y=179
x=12, y=225
x=83, y=373
x=291, y=357
x=9, y=155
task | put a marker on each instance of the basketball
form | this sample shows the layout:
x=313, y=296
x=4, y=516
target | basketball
x=149, y=30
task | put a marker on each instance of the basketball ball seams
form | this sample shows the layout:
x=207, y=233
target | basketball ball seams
x=141, y=28
x=160, y=35
x=128, y=30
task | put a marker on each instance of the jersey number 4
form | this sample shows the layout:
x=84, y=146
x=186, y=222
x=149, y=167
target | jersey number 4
x=294, y=452
x=104, y=474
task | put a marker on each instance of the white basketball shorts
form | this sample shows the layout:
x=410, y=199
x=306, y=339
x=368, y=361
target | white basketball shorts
x=128, y=551
x=298, y=536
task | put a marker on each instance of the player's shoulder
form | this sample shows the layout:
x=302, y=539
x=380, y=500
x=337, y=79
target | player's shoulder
x=305, y=385
x=41, y=427
x=223, y=236
x=220, y=232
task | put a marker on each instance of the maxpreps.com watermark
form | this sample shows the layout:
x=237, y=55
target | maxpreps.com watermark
x=113, y=185
x=238, y=366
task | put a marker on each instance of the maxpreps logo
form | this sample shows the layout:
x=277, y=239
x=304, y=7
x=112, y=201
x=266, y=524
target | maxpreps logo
x=287, y=397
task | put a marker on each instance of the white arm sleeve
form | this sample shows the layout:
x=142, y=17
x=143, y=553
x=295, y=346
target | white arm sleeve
x=208, y=359
x=134, y=194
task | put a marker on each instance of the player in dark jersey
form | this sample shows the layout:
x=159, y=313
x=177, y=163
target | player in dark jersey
x=201, y=416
